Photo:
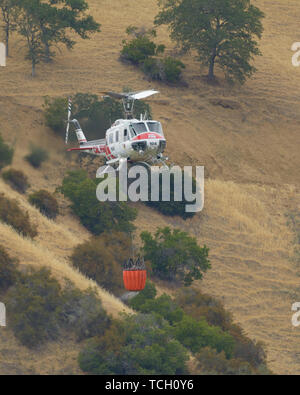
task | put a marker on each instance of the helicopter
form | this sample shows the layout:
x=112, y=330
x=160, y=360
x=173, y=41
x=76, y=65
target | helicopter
x=127, y=140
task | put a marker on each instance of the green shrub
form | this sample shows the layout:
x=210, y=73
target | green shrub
x=163, y=306
x=199, y=305
x=172, y=69
x=11, y=213
x=148, y=293
x=195, y=335
x=139, y=344
x=143, y=52
x=36, y=156
x=8, y=270
x=16, y=179
x=32, y=304
x=82, y=313
x=174, y=255
x=41, y=310
x=140, y=47
x=166, y=70
x=153, y=68
x=55, y=112
x=171, y=207
x=101, y=259
x=95, y=116
x=45, y=202
x=6, y=154
x=97, y=217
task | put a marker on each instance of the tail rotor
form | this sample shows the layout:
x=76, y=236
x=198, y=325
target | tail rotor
x=69, y=118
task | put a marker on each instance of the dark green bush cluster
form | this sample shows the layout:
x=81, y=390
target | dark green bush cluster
x=12, y=214
x=174, y=255
x=36, y=156
x=174, y=204
x=41, y=310
x=8, y=270
x=82, y=312
x=140, y=47
x=167, y=69
x=144, y=53
x=6, y=154
x=95, y=116
x=192, y=333
x=55, y=113
x=16, y=179
x=172, y=207
x=217, y=347
x=101, y=259
x=97, y=217
x=45, y=202
x=196, y=305
x=138, y=344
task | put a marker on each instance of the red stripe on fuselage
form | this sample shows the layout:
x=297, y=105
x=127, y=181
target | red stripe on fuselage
x=148, y=136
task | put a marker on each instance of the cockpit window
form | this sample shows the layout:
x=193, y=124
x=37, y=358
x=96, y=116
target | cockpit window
x=139, y=127
x=155, y=127
x=132, y=132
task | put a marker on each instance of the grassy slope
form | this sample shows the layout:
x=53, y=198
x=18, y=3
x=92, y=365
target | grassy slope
x=251, y=155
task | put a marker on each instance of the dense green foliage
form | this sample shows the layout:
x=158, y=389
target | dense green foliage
x=195, y=335
x=13, y=215
x=174, y=205
x=55, y=110
x=167, y=69
x=16, y=179
x=8, y=270
x=220, y=346
x=192, y=333
x=97, y=217
x=164, y=306
x=196, y=304
x=40, y=310
x=139, y=344
x=174, y=255
x=95, y=116
x=143, y=52
x=6, y=154
x=36, y=156
x=7, y=8
x=46, y=23
x=223, y=32
x=140, y=47
x=45, y=202
x=101, y=259
x=148, y=293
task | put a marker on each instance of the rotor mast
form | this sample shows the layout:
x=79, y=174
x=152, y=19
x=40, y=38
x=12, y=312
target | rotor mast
x=128, y=99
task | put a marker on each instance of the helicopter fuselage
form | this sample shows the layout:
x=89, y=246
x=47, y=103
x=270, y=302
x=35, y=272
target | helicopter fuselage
x=131, y=139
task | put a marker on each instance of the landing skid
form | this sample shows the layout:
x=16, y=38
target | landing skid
x=109, y=169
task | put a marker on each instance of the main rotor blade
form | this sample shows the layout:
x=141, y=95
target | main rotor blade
x=142, y=94
x=132, y=95
x=116, y=95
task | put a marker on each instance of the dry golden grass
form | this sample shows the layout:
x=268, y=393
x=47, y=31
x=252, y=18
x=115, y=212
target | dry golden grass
x=55, y=358
x=250, y=153
x=33, y=253
x=51, y=248
x=250, y=249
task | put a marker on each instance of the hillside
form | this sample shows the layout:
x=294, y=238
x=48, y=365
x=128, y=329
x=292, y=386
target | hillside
x=246, y=138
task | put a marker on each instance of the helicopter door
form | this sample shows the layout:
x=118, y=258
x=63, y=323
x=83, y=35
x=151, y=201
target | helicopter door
x=111, y=144
x=118, y=140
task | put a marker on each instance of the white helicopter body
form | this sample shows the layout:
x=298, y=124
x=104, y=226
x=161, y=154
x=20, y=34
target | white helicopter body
x=128, y=139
